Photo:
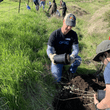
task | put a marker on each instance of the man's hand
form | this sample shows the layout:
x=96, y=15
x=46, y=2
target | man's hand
x=95, y=99
x=105, y=89
x=52, y=58
x=72, y=58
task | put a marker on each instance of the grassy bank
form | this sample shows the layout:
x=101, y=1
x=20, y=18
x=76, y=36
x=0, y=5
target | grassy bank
x=23, y=55
x=25, y=81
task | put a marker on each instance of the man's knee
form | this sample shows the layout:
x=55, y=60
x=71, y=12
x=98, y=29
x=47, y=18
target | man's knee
x=77, y=61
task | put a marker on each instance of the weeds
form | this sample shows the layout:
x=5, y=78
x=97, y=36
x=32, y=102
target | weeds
x=107, y=17
x=24, y=82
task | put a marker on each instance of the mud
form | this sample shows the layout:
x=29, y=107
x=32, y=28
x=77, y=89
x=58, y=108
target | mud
x=78, y=94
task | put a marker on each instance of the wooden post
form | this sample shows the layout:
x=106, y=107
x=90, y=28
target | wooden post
x=28, y=2
x=19, y=6
x=32, y=2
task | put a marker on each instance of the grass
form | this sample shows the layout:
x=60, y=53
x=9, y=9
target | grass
x=25, y=82
x=107, y=17
x=22, y=57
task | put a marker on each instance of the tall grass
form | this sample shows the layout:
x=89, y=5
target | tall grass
x=23, y=49
x=107, y=17
x=25, y=82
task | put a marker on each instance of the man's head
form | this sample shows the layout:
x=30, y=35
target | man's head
x=103, y=50
x=53, y=1
x=68, y=22
x=61, y=1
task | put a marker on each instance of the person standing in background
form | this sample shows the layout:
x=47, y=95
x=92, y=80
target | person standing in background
x=63, y=7
x=53, y=8
x=36, y=2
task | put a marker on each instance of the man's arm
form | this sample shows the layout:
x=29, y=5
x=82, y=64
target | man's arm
x=56, y=6
x=49, y=7
x=50, y=54
x=75, y=49
x=74, y=53
x=105, y=103
x=49, y=50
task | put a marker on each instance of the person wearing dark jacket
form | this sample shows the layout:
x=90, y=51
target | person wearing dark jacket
x=52, y=8
x=63, y=7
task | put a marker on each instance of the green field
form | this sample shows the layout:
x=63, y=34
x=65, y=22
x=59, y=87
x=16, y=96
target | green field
x=25, y=80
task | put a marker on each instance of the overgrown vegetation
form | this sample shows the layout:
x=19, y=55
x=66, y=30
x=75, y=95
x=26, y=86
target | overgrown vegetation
x=23, y=55
x=25, y=82
x=107, y=17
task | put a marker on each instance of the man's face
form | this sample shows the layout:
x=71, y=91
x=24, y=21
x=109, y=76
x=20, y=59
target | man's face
x=66, y=28
x=104, y=59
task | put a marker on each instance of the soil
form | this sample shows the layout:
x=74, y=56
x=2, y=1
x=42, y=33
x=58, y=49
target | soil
x=77, y=10
x=78, y=94
x=96, y=23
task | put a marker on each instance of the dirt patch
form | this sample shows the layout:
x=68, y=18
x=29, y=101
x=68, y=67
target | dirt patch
x=96, y=23
x=77, y=11
x=79, y=94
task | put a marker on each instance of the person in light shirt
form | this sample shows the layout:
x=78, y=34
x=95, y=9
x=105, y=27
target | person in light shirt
x=103, y=55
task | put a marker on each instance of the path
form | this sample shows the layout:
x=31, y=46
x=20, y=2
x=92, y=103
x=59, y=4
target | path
x=96, y=23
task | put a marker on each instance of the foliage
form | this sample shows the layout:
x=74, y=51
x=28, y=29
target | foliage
x=23, y=38
x=107, y=17
x=25, y=82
